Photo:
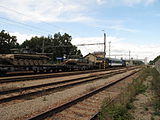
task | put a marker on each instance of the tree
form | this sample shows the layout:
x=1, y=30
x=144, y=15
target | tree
x=34, y=44
x=58, y=45
x=155, y=60
x=7, y=42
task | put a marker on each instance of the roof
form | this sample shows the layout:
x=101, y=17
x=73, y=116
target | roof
x=98, y=53
x=90, y=54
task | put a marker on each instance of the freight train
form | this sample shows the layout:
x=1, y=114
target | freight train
x=39, y=63
x=112, y=62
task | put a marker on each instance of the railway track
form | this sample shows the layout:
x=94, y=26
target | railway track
x=45, y=89
x=50, y=75
x=23, y=73
x=79, y=106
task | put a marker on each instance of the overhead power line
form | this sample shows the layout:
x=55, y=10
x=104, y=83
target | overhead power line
x=77, y=45
x=26, y=25
x=12, y=10
x=90, y=44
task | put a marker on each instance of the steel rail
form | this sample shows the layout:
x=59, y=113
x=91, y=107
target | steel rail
x=49, y=84
x=77, y=82
x=62, y=107
x=42, y=76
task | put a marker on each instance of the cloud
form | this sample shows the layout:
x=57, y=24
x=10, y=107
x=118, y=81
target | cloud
x=58, y=10
x=135, y=2
x=148, y=2
x=100, y=2
x=22, y=37
x=48, y=10
x=119, y=47
x=126, y=2
x=91, y=40
x=122, y=28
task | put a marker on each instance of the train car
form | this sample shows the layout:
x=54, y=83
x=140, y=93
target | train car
x=21, y=62
x=112, y=62
x=78, y=64
x=39, y=63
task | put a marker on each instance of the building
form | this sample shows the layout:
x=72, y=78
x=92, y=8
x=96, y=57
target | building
x=99, y=54
x=95, y=58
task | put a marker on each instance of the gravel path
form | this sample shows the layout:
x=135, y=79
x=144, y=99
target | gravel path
x=28, y=107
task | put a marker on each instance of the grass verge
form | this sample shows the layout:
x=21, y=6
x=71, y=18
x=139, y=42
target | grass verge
x=155, y=84
x=118, y=108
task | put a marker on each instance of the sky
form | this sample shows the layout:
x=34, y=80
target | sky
x=130, y=25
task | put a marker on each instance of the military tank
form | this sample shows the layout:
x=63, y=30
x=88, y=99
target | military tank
x=23, y=59
x=20, y=62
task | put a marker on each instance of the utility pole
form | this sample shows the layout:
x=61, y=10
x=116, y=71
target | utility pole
x=137, y=57
x=104, y=50
x=129, y=56
x=43, y=46
x=109, y=48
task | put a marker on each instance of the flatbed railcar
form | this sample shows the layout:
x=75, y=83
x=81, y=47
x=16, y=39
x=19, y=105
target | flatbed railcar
x=39, y=63
x=21, y=62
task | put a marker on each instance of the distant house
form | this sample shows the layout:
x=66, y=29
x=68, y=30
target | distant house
x=99, y=54
x=95, y=58
x=91, y=58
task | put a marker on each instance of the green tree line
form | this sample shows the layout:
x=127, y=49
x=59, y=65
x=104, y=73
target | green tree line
x=155, y=60
x=55, y=46
x=7, y=42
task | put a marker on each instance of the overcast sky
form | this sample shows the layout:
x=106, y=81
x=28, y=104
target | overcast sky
x=129, y=24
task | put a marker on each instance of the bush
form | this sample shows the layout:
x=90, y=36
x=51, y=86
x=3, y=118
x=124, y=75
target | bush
x=117, y=112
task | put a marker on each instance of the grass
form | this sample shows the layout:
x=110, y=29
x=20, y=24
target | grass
x=130, y=106
x=116, y=112
x=140, y=88
x=138, y=83
x=119, y=110
x=152, y=118
x=156, y=88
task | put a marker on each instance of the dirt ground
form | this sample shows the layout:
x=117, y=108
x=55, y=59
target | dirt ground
x=143, y=108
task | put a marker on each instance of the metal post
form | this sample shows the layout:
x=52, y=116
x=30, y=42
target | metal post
x=104, y=50
x=129, y=57
x=109, y=48
x=43, y=46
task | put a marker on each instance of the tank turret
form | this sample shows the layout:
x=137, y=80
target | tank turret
x=23, y=59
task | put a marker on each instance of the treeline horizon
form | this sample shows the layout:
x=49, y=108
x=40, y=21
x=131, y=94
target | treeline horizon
x=57, y=45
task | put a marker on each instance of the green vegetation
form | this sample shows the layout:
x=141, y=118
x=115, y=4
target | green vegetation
x=130, y=105
x=137, y=83
x=152, y=118
x=155, y=60
x=140, y=88
x=156, y=88
x=115, y=112
x=124, y=102
x=57, y=45
x=7, y=42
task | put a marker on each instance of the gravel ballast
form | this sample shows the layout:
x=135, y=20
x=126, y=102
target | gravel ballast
x=39, y=104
